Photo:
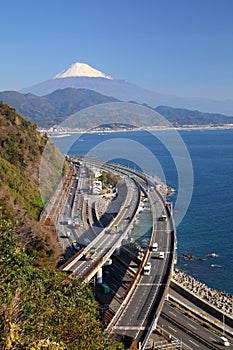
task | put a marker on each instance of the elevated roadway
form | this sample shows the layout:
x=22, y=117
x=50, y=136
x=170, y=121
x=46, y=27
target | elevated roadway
x=140, y=309
x=109, y=239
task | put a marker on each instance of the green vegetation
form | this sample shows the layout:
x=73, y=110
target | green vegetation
x=182, y=116
x=54, y=108
x=21, y=146
x=109, y=178
x=41, y=308
x=21, y=149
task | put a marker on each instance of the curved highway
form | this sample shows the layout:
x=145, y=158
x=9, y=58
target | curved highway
x=140, y=309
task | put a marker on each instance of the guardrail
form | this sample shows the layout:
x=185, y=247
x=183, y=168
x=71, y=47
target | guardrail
x=164, y=288
x=51, y=211
x=90, y=272
x=167, y=277
x=94, y=242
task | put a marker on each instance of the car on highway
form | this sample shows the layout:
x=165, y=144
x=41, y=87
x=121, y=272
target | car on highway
x=76, y=245
x=154, y=247
x=225, y=341
x=147, y=269
x=161, y=255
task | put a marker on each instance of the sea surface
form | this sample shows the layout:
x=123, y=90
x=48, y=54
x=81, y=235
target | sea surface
x=205, y=225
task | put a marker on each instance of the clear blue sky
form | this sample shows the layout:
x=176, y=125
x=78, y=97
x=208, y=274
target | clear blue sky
x=179, y=47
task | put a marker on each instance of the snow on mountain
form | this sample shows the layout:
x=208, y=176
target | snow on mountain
x=81, y=75
x=79, y=69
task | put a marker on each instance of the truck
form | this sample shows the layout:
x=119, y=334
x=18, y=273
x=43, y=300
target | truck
x=90, y=254
x=69, y=221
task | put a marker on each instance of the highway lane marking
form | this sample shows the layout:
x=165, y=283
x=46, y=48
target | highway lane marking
x=172, y=313
x=194, y=343
x=172, y=329
x=191, y=325
x=213, y=339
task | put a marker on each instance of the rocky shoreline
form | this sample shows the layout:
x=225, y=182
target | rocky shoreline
x=219, y=299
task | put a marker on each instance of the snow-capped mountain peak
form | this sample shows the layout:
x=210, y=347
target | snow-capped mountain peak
x=79, y=69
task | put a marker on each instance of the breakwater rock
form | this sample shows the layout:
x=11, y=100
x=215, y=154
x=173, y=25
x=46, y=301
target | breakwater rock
x=219, y=299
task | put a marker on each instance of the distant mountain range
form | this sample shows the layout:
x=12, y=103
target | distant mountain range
x=87, y=108
x=81, y=75
x=52, y=109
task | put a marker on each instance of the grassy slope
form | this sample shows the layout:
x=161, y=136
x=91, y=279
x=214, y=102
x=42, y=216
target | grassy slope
x=21, y=147
x=39, y=307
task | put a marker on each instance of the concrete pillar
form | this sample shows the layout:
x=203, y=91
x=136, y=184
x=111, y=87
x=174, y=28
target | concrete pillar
x=99, y=276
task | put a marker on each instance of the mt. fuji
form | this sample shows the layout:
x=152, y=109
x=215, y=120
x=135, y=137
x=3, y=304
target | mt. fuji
x=81, y=75
x=79, y=69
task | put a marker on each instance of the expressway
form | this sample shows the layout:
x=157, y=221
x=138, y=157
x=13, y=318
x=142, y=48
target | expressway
x=194, y=336
x=109, y=238
x=142, y=308
x=143, y=302
x=139, y=311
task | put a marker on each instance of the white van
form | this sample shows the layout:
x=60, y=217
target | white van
x=225, y=341
x=154, y=247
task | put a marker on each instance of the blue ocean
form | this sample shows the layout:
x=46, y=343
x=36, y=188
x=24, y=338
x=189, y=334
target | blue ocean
x=198, y=164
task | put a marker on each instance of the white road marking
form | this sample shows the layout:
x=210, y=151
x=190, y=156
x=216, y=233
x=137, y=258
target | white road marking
x=192, y=326
x=194, y=343
x=213, y=339
x=172, y=329
x=172, y=313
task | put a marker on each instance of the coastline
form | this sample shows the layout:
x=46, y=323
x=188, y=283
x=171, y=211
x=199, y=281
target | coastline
x=203, y=136
x=69, y=132
x=221, y=300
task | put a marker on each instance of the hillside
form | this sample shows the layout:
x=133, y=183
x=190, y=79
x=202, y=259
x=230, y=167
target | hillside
x=39, y=307
x=21, y=147
x=52, y=109
x=181, y=116
x=89, y=108
x=44, y=309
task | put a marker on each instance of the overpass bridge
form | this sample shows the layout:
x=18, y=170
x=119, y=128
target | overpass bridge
x=139, y=311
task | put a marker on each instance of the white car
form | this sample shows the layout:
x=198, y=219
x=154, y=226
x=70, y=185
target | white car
x=154, y=247
x=161, y=255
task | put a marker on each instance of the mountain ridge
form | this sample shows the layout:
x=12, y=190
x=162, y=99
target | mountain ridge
x=51, y=109
x=55, y=108
x=125, y=91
